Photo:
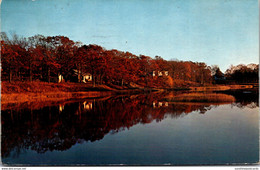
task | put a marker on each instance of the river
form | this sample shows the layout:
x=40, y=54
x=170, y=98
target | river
x=132, y=130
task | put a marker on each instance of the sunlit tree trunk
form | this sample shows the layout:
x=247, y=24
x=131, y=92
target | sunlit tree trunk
x=19, y=74
x=10, y=75
x=101, y=79
x=30, y=72
x=42, y=73
x=93, y=77
x=79, y=74
x=49, y=75
x=94, y=80
x=202, y=79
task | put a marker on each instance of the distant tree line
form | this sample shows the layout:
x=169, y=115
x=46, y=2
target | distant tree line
x=41, y=58
x=243, y=73
x=239, y=74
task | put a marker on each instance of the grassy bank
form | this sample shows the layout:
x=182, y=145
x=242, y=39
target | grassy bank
x=43, y=87
x=50, y=96
x=201, y=97
x=221, y=87
x=17, y=92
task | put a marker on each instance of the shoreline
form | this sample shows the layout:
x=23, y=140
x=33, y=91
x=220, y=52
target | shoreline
x=50, y=96
x=22, y=92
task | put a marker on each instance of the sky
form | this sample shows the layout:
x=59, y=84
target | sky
x=217, y=32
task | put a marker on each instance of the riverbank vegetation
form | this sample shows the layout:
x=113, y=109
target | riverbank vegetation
x=18, y=91
x=201, y=97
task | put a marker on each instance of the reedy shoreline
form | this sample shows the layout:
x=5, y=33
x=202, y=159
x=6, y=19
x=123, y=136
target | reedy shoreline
x=20, y=92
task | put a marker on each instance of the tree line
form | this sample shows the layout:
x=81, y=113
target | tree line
x=41, y=58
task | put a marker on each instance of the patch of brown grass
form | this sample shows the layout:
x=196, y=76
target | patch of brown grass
x=43, y=103
x=17, y=92
x=221, y=87
x=43, y=87
x=49, y=96
x=200, y=97
x=183, y=83
x=210, y=88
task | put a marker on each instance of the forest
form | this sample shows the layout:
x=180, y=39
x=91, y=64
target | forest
x=44, y=58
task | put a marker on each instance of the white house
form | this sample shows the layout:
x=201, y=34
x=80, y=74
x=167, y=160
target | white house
x=86, y=77
x=60, y=78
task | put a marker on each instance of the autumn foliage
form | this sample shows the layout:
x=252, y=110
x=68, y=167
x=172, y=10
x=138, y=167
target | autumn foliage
x=40, y=58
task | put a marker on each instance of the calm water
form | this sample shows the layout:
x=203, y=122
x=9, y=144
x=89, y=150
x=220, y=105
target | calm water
x=132, y=130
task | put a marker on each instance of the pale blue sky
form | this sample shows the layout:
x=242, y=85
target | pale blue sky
x=221, y=32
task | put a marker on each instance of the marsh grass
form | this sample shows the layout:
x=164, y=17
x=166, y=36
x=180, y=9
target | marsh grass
x=221, y=87
x=201, y=97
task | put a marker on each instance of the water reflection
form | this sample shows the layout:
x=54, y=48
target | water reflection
x=245, y=98
x=59, y=127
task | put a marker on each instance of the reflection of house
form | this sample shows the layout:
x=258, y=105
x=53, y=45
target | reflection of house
x=87, y=105
x=85, y=77
x=160, y=73
x=61, y=108
x=160, y=104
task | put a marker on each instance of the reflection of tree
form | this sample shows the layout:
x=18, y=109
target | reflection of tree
x=52, y=128
x=244, y=98
x=251, y=105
